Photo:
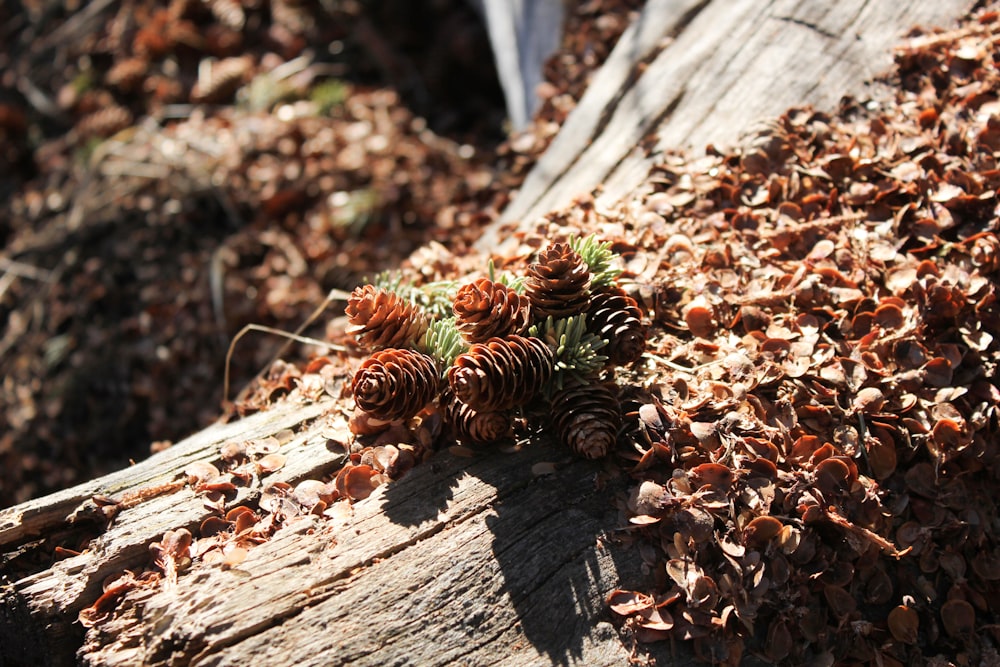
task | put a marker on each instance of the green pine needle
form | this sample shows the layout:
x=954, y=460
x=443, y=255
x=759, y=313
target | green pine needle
x=392, y=281
x=443, y=342
x=599, y=258
x=434, y=298
x=437, y=298
x=516, y=283
x=575, y=349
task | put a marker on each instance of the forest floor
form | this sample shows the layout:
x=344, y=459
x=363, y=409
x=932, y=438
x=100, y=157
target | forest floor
x=811, y=433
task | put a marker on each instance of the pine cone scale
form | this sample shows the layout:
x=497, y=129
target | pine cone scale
x=485, y=309
x=471, y=426
x=615, y=316
x=587, y=418
x=558, y=285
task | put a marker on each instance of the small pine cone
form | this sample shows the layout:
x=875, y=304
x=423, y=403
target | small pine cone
x=395, y=384
x=379, y=318
x=501, y=373
x=559, y=284
x=587, y=418
x=105, y=122
x=615, y=316
x=221, y=80
x=485, y=309
x=471, y=426
x=128, y=75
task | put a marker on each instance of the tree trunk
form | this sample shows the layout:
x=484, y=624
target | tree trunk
x=496, y=559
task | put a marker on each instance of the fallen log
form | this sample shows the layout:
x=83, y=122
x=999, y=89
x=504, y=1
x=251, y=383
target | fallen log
x=689, y=73
x=39, y=611
x=501, y=559
x=463, y=560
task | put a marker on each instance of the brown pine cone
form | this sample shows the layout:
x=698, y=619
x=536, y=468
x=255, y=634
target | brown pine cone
x=127, y=75
x=485, y=309
x=587, y=418
x=395, y=384
x=472, y=427
x=558, y=284
x=223, y=79
x=381, y=319
x=105, y=122
x=615, y=316
x=501, y=373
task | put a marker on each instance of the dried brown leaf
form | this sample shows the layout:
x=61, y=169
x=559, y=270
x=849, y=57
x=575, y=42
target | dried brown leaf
x=904, y=624
x=626, y=603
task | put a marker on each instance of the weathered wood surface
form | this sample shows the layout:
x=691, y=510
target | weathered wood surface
x=38, y=615
x=711, y=70
x=462, y=561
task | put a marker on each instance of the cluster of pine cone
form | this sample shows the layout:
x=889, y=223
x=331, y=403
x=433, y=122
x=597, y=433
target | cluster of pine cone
x=552, y=336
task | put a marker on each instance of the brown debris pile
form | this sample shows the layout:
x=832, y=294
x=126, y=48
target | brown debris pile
x=814, y=436
x=175, y=254
x=810, y=414
x=202, y=168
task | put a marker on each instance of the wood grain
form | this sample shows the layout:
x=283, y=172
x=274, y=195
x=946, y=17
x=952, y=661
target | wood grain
x=463, y=561
x=710, y=71
x=47, y=600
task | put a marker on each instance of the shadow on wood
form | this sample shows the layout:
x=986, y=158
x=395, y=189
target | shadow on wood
x=478, y=561
x=553, y=555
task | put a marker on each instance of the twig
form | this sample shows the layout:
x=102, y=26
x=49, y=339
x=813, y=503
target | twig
x=23, y=270
x=677, y=367
x=334, y=295
x=69, y=30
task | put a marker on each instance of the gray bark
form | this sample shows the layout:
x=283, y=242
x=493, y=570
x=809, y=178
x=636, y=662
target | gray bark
x=523, y=34
x=476, y=561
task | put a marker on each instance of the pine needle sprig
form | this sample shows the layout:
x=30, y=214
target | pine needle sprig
x=437, y=297
x=392, y=281
x=599, y=259
x=575, y=349
x=443, y=342
x=516, y=283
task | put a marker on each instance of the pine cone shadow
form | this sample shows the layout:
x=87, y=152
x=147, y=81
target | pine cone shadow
x=549, y=521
